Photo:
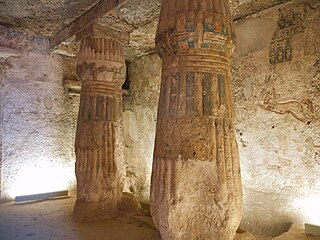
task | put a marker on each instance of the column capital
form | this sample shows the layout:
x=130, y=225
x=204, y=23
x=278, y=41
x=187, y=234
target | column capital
x=98, y=31
x=194, y=26
x=101, y=58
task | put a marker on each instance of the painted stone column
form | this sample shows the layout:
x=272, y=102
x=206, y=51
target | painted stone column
x=196, y=188
x=100, y=168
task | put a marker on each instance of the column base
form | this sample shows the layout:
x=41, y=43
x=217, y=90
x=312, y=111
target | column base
x=90, y=211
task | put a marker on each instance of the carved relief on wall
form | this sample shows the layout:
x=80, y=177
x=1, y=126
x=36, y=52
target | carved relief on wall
x=312, y=41
x=303, y=110
x=289, y=23
x=313, y=153
x=311, y=44
x=315, y=83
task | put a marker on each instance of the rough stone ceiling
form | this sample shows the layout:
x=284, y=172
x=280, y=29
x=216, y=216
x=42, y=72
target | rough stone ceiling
x=44, y=18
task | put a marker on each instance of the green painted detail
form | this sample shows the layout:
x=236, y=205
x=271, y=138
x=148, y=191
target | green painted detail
x=205, y=45
x=190, y=93
x=190, y=28
x=190, y=25
x=191, y=43
x=208, y=27
x=207, y=94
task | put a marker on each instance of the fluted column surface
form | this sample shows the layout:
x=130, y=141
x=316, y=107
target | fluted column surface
x=196, y=188
x=99, y=137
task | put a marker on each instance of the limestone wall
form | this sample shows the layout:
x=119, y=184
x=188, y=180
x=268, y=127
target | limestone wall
x=277, y=104
x=38, y=120
x=140, y=117
x=276, y=85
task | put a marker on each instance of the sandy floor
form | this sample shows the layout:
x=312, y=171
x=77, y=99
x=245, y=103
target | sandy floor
x=52, y=220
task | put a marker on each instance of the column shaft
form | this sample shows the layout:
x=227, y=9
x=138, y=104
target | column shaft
x=99, y=137
x=196, y=188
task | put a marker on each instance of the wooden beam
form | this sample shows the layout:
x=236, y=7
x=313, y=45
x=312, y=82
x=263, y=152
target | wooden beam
x=97, y=11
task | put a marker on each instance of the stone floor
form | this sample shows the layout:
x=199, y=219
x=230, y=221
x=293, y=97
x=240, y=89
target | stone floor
x=296, y=233
x=52, y=220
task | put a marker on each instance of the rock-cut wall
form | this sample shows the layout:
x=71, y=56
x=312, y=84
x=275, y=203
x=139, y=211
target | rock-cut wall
x=140, y=117
x=276, y=75
x=38, y=119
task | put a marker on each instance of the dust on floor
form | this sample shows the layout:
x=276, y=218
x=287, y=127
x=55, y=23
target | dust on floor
x=52, y=220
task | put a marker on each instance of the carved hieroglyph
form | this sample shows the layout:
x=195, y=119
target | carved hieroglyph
x=303, y=110
x=196, y=185
x=289, y=24
x=99, y=137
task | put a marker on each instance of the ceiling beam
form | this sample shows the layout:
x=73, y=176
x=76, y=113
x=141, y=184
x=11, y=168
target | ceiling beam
x=97, y=11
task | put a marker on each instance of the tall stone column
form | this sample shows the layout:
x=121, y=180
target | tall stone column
x=196, y=188
x=100, y=168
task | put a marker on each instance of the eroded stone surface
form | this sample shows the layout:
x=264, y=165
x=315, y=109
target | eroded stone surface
x=196, y=185
x=99, y=137
x=129, y=204
x=244, y=235
x=37, y=120
x=296, y=233
x=140, y=123
x=43, y=18
x=277, y=117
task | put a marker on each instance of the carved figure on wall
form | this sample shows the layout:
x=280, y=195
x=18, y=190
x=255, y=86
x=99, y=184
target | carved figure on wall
x=99, y=137
x=289, y=23
x=303, y=110
x=315, y=84
x=196, y=188
x=313, y=152
x=312, y=40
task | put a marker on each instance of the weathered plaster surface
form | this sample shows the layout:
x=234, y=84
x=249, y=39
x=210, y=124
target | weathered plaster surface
x=42, y=17
x=38, y=123
x=140, y=122
x=278, y=117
